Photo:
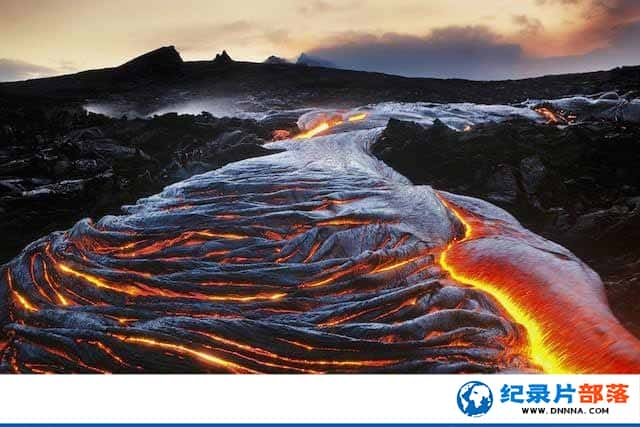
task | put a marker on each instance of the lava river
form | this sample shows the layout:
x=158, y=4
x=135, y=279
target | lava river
x=315, y=259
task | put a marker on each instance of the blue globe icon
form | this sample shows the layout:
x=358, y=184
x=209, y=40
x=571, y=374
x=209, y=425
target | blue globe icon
x=475, y=399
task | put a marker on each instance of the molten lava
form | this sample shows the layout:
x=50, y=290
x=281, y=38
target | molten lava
x=555, y=117
x=357, y=117
x=559, y=341
x=280, y=134
x=328, y=124
x=316, y=259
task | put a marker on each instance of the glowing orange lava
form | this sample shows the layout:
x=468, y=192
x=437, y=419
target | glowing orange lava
x=206, y=357
x=143, y=290
x=22, y=301
x=552, y=117
x=328, y=124
x=585, y=339
x=357, y=117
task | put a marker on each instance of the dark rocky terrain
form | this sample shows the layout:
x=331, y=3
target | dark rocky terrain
x=161, y=76
x=58, y=165
x=578, y=185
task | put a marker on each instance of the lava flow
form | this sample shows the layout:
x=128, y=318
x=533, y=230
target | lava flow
x=520, y=270
x=329, y=123
x=555, y=117
x=315, y=259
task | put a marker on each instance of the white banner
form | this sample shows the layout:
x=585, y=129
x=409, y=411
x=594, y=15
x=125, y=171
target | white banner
x=330, y=399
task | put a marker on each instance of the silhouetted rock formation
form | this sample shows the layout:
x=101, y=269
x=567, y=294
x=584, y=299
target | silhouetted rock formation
x=275, y=60
x=165, y=60
x=223, y=58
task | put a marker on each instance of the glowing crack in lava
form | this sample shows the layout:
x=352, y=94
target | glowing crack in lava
x=315, y=259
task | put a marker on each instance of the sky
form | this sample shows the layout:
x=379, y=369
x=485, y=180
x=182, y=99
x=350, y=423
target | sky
x=483, y=40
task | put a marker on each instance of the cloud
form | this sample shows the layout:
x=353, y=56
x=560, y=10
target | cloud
x=601, y=21
x=206, y=39
x=12, y=70
x=277, y=37
x=604, y=35
x=467, y=52
x=316, y=7
x=563, y=2
x=67, y=66
x=474, y=52
x=528, y=26
x=622, y=49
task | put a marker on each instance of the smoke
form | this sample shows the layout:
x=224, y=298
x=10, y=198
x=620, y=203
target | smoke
x=217, y=107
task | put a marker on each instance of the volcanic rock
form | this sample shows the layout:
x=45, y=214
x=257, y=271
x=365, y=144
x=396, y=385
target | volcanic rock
x=533, y=172
x=275, y=60
x=502, y=185
x=222, y=58
x=165, y=60
x=65, y=164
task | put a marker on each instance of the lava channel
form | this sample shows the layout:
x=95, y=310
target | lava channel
x=315, y=259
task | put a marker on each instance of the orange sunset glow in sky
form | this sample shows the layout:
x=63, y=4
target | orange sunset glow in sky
x=498, y=38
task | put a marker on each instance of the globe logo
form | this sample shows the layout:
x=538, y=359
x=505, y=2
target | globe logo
x=475, y=399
